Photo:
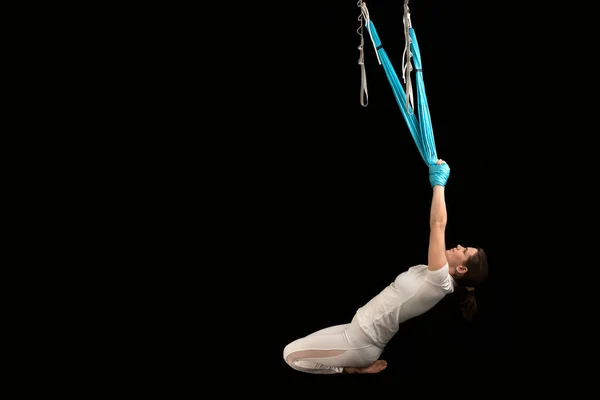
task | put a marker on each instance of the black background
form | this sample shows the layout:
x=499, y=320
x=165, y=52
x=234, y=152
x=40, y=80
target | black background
x=291, y=205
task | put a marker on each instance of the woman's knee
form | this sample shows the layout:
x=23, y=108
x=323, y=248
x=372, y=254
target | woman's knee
x=294, y=351
x=287, y=351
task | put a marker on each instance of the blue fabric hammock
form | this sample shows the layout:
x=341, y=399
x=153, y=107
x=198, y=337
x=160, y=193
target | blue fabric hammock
x=419, y=123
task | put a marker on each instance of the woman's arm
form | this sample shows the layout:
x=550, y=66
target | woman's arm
x=438, y=175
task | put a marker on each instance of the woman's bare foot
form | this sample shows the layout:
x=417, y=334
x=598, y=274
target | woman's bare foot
x=374, y=368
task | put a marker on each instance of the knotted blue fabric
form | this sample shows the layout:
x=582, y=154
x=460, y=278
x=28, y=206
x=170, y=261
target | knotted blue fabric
x=438, y=174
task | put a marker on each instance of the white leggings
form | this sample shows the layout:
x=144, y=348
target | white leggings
x=329, y=350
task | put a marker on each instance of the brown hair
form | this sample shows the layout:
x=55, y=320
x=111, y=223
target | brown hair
x=477, y=272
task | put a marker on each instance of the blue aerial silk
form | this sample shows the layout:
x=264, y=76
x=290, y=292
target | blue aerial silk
x=419, y=123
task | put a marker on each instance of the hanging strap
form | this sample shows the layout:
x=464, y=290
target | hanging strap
x=407, y=67
x=364, y=94
x=364, y=16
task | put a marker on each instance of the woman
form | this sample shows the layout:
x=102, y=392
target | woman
x=356, y=347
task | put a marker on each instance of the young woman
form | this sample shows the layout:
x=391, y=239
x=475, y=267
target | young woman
x=356, y=347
